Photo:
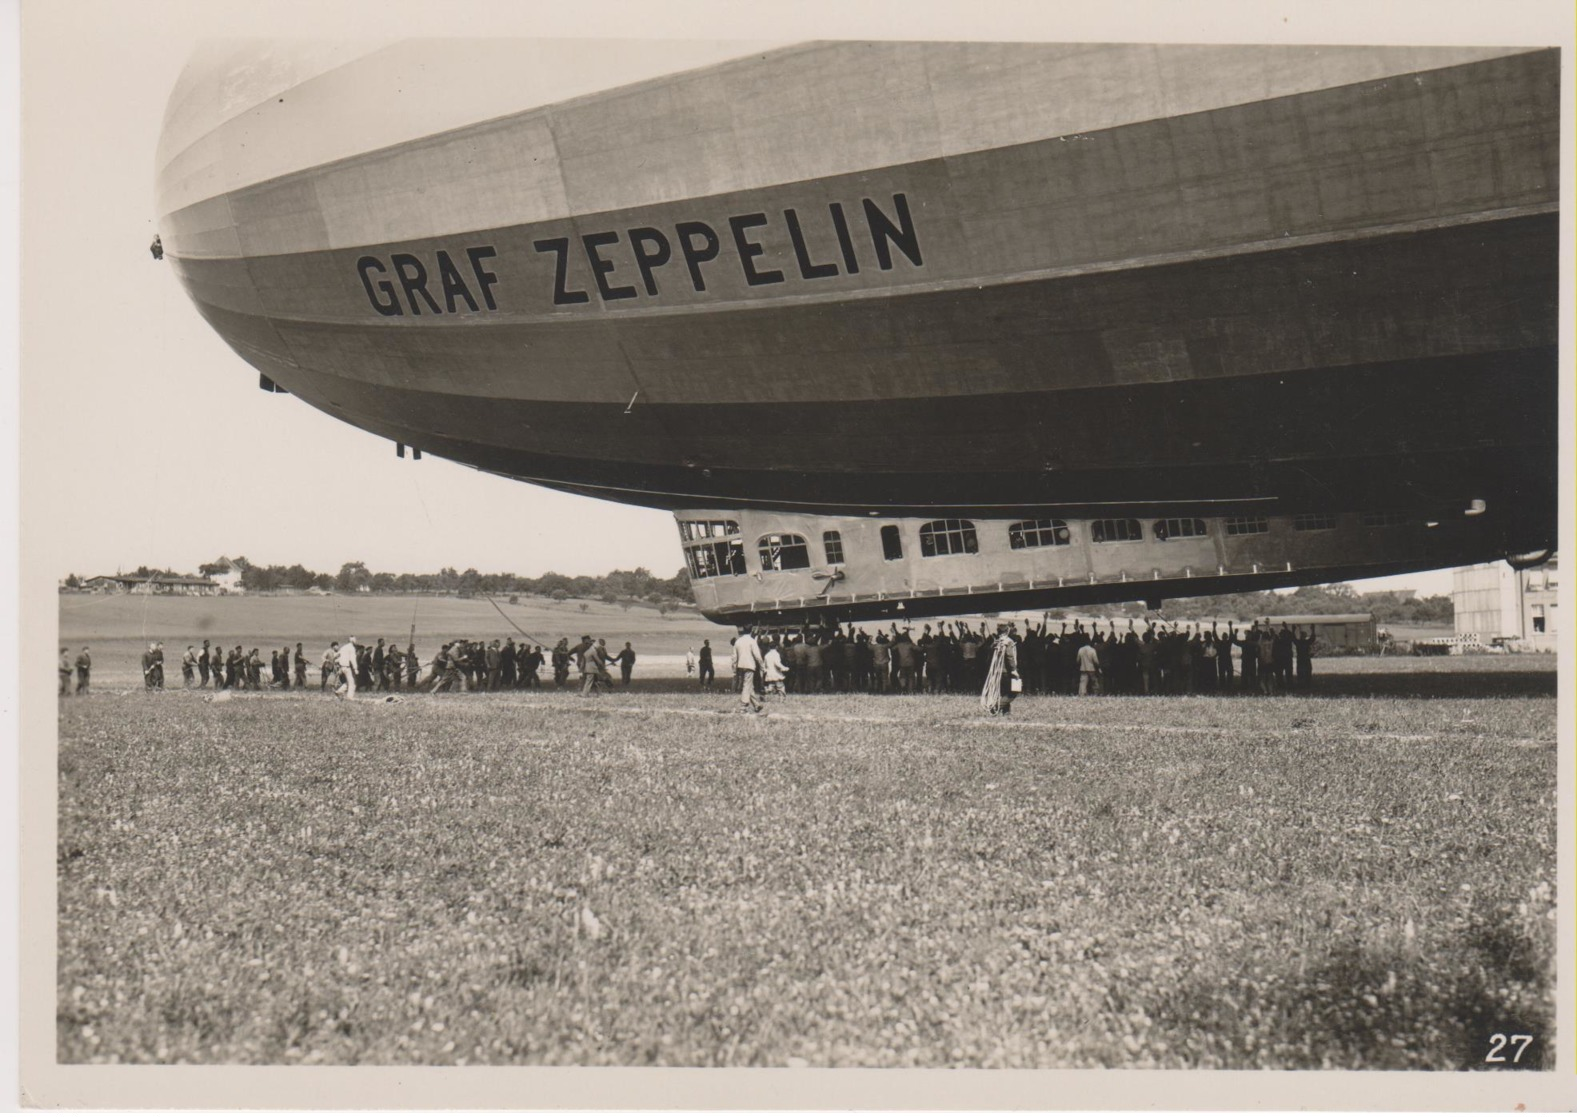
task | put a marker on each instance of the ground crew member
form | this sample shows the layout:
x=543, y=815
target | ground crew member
x=508, y=658
x=1089, y=661
x=626, y=659
x=347, y=670
x=202, y=666
x=301, y=668
x=707, y=674
x=582, y=655
x=188, y=667
x=148, y=678
x=412, y=665
x=84, y=671
x=65, y=673
x=747, y=669
x=1303, y=648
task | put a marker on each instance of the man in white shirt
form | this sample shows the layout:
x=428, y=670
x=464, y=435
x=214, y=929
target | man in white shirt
x=347, y=670
x=747, y=667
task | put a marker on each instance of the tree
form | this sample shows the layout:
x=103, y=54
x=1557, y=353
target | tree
x=560, y=595
x=352, y=576
x=73, y=582
x=261, y=578
x=584, y=606
x=299, y=577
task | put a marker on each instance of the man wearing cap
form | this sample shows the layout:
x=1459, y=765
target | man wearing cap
x=347, y=670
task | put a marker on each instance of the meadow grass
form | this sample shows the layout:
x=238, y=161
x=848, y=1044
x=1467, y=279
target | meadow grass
x=651, y=879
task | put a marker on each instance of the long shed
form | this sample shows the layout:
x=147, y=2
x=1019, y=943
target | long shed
x=1331, y=630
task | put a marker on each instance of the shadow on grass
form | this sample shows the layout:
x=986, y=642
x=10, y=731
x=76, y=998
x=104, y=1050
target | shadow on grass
x=1476, y=1000
x=1454, y=684
x=1388, y=684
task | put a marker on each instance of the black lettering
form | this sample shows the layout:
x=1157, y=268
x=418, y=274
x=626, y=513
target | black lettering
x=390, y=308
x=883, y=230
x=484, y=279
x=802, y=254
x=561, y=294
x=601, y=269
x=851, y=263
x=749, y=249
x=414, y=281
x=649, y=261
x=694, y=257
x=453, y=284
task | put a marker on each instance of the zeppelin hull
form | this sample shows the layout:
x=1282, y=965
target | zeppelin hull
x=1412, y=367
x=1077, y=279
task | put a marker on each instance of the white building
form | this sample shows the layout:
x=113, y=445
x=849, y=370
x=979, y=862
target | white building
x=226, y=575
x=1493, y=601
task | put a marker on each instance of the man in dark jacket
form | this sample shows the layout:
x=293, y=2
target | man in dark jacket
x=494, y=660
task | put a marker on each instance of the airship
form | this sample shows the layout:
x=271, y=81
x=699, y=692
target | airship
x=919, y=328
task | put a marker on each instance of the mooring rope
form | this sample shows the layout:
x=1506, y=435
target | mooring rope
x=511, y=621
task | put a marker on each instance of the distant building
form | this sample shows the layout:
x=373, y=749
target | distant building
x=1497, y=603
x=226, y=574
x=153, y=583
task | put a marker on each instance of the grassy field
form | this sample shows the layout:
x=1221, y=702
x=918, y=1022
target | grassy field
x=1351, y=879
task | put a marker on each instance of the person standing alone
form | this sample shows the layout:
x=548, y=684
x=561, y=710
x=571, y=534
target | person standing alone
x=707, y=672
x=747, y=670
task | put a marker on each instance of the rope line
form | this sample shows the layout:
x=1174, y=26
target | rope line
x=511, y=621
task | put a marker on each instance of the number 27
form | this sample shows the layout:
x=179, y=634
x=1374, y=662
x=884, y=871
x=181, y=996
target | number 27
x=1497, y=1044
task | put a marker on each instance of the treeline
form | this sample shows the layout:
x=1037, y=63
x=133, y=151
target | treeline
x=1388, y=607
x=354, y=577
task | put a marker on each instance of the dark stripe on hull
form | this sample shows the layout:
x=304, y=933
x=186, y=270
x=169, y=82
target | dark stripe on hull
x=1412, y=435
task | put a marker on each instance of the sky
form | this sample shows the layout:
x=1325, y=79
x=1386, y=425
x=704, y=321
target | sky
x=163, y=450
x=148, y=439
